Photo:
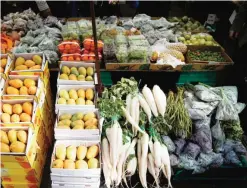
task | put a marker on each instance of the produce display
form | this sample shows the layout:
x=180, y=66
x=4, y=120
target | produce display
x=13, y=141
x=74, y=73
x=76, y=97
x=16, y=113
x=206, y=56
x=7, y=43
x=72, y=157
x=3, y=64
x=28, y=64
x=78, y=121
x=18, y=87
x=158, y=132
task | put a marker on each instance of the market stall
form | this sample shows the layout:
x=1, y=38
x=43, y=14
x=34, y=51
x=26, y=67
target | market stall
x=129, y=133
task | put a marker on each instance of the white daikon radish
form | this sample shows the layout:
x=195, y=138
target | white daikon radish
x=151, y=146
x=145, y=107
x=128, y=102
x=107, y=173
x=159, y=100
x=157, y=153
x=143, y=163
x=148, y=95
x=131, y=120
x=132, y=111
x=131, y=166
x=166, y=168
x=151, y=168
x=137, y=115
x=163, y=98
x=106, y=153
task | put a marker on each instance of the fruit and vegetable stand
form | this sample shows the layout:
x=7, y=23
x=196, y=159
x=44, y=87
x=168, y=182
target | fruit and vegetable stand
x=128, y=131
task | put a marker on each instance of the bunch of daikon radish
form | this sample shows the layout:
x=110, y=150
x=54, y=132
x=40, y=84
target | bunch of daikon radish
x=123, y=154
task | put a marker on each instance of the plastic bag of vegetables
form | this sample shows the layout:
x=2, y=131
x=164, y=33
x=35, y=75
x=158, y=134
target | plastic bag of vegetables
x=218, y=137
x=122, y=53
x=138, y=52
x=121, y=40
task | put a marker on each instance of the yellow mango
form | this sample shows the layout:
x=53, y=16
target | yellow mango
x=82, y=71
x=4, y=137
x=78, y=127
x=71, y=102
x=61, y=101
x=65, y=116
x=93, y=163
x=21, y=67
x=63, y=127
x=12, y=136
x=69, y=164
x=15, y=118
x=3, y=62
x=64, y=94
x=16, y=83
x=19, y=61
x=35, y=67
x=92, y=121
x=63, y=77
x=77, y=122
x=29, y=82
x=71, y=152
x=17, y=109
x=81, y=78
x=32, y=90
x=89, y=116
x=7, y=108
x=92, y=152
x=4, y=147
x=72, y=77
x=65, y=70
x=89, y=102
x=23, y=90
x=58, y=163
x=66, y=122
x=22, y=136
x=90, y=71
x=27, y=107
x=29, y=63
x=80, y=101
x=5, y=118
x=81, y=152
x=17, y=147
x=61, y=152
x=89, y=94
x=77, y=116
x=92, y=127
x=12, y=91
x=24, y=117
x=81, y=164
x=73, y=94
x=37, y=59
x=81, y=93
x=89, y=78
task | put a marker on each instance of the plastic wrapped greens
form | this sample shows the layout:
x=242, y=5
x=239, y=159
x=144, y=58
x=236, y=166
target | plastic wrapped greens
x=122, y=53
x=218, y=137
x=151, y=36
x=136, y=37
x=84, y=24
x=143, y=43
x=232, y=158
x=33, y=49
x=226, y=111
x=27, y=40
x=179, y=143
x=161, y=23
x=169, y=144
x=192, y=150
x=138, y=52
x=38, y=40
x=51, y=56
x=146, y=28
x=202, y=134
x=187, y=162
x=47, y=44
x=232, y=129
x=231, y=92
x=68, y=34
x=140, y=20
x=206, y=94
x=121, y=40
x=174, y=160
x=109, y=51
x=22, y=48
x=239, y=148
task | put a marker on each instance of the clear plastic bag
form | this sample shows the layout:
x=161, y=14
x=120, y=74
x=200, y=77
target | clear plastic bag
x=109, y=51
x=68, y=34
x=179, y=143
x=169, y=144
x=51, y=56
x=192, y=150
x=47, y=44
x=122, y=54
x=146, y=28
x=226, y=111
x=140, y=20
x=174, y=160
x=218, y=137
x=206, y=94
x=27, y=40
x=121, y=40
x=135, y=38
x=138, y=52
x=232, y=158
x=33, y=49
x=161, y=23
x=38, y=40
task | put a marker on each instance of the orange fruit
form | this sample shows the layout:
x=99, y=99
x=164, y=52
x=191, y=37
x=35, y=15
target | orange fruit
x=67, y=47
x=64, y=58
x=70, y=58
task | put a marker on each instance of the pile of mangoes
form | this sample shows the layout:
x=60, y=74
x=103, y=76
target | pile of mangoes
x=73, y=73
x=19, y=87
x=28, y=64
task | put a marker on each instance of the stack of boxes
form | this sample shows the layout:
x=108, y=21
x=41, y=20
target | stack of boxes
x=66, y=135
x=25, y=169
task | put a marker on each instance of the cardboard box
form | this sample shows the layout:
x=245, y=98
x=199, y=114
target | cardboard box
x=20, y=184
x=39, y=85
x=43, y=72
x=78, y=134
x=35, y=121
x=7, y=67
x=77, y=65
x=76, y=172
x=76, y=87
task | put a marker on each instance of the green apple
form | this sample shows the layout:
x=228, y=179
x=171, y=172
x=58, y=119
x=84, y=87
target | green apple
x=209, y=38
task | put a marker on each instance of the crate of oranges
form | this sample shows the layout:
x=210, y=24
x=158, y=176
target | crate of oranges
x=69, y=47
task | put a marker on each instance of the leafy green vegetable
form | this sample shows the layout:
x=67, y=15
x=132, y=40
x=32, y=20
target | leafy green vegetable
x=232, y=129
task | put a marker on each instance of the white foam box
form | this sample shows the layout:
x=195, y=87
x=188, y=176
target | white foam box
x=74, y=185
x=76, y=87
x=21, y=101
x=90, y=173
x=78, y=134
x=39, y=85
x=27, y=56
x=77, y=65
x=73, y=179
x=27, y=129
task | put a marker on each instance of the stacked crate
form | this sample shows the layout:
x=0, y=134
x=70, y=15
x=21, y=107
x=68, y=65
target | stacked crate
x=69, y=135
x=24, y=169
